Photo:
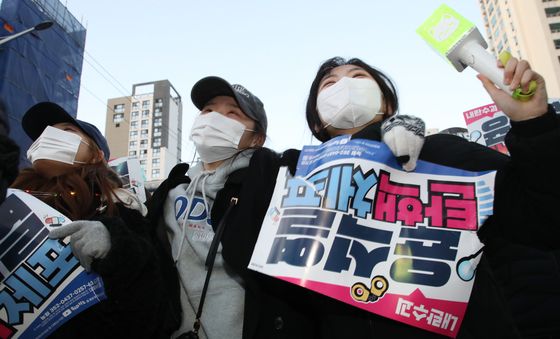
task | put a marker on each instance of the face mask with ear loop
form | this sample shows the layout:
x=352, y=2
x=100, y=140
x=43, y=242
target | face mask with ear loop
x=216, y=137
x=349, y=103
x=57, y=145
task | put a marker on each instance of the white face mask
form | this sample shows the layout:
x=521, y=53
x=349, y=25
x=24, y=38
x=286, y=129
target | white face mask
x=349, y=103
x=216, y=137
x=55, y=144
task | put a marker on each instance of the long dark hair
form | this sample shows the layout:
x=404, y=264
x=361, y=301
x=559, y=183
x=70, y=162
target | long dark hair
x=78, y=194
x=388, y=90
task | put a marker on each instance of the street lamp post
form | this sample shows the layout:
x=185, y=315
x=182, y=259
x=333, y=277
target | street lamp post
x=39, y=27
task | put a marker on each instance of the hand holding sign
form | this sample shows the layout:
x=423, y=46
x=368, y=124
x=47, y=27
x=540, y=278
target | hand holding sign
x=89, y=240
x=404, y=135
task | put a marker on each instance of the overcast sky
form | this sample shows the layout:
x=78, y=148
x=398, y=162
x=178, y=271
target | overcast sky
x=274, y=49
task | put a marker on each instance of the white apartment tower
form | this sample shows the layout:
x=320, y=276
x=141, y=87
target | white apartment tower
x=147, y=125
x=529, y=29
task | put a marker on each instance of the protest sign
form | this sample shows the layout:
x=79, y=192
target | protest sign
x=42, y=283
x=488, y=125
x=131, y=175
x=352, y=225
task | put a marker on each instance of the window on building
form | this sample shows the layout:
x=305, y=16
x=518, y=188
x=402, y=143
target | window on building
x=144, y=133
x=132, y=153
x=134, y=115
x=555, y=27
x=497, y=33
x=500, y=47
x=119, y=108
x=144, y=124
x=157, y=142
x=133, y=124
x=118, y=117
x=145, y=113
x=132, y=144
x=159, y=102
x=157, y=131
x=157, y=112
x=493, y=20
x=155, y=173
x=135, y=105
x=145, y=104
x=557, y=43
x=158, y=122
x=144, y=143
x=143, y=153
x=142, y=162
x=133, y=134
x=155, y=152
x=155, y=161
x=552, y=12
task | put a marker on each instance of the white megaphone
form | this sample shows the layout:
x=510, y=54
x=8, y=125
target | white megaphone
x=459, y=41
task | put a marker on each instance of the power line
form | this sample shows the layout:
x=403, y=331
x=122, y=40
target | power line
x=106, y=71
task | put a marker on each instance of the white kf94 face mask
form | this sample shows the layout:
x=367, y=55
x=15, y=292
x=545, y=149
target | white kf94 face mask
x=216, y=137
x=55, y=144
x=349, y=103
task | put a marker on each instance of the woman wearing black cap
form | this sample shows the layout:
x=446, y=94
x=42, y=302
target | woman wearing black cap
x=231, y=125
x=109, y=234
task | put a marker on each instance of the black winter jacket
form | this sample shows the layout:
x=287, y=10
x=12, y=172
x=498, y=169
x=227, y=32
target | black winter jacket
x=9, y=160
x=519, y=261
x=136, y=304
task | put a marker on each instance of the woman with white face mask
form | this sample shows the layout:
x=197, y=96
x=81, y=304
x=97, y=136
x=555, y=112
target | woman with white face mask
x=109, y=234
x=351, y=97
x=230, y=126
x=519, y=247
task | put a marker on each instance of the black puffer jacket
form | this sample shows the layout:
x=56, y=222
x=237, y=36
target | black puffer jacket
x=9, y=160
x=522, y=266
x=137, y=306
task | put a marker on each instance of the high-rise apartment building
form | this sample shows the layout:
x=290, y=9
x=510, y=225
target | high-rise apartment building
x=529, y=29
x=147, y=125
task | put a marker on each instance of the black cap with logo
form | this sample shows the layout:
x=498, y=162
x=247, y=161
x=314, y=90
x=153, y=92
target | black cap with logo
x=210, y=87
x=44, y=114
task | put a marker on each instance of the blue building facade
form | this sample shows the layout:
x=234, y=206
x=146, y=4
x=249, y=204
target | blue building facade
x=40, y=66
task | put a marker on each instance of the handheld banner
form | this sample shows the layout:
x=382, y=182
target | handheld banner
x=42, y=283
x=355, y=227
x=488, y=126
x=131, y=175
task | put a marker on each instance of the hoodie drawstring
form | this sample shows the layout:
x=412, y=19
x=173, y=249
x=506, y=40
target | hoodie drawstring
x=192, y=187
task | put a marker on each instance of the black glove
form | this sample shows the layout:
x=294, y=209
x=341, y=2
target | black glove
x=177, y=176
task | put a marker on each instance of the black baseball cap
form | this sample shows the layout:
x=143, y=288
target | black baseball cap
x=44, y=114
x=210, y=87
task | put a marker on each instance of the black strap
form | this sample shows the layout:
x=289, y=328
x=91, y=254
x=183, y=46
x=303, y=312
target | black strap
x=210, y=259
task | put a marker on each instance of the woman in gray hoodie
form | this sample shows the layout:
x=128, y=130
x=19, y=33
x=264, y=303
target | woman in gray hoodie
x=231, y=124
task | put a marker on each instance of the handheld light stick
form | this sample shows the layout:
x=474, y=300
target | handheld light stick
x=459, y=41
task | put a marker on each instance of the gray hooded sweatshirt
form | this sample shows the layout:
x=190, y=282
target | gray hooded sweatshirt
x=190, y=238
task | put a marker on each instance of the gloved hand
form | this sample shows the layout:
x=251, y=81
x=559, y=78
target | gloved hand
x=89, y=240
x=404, y=134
